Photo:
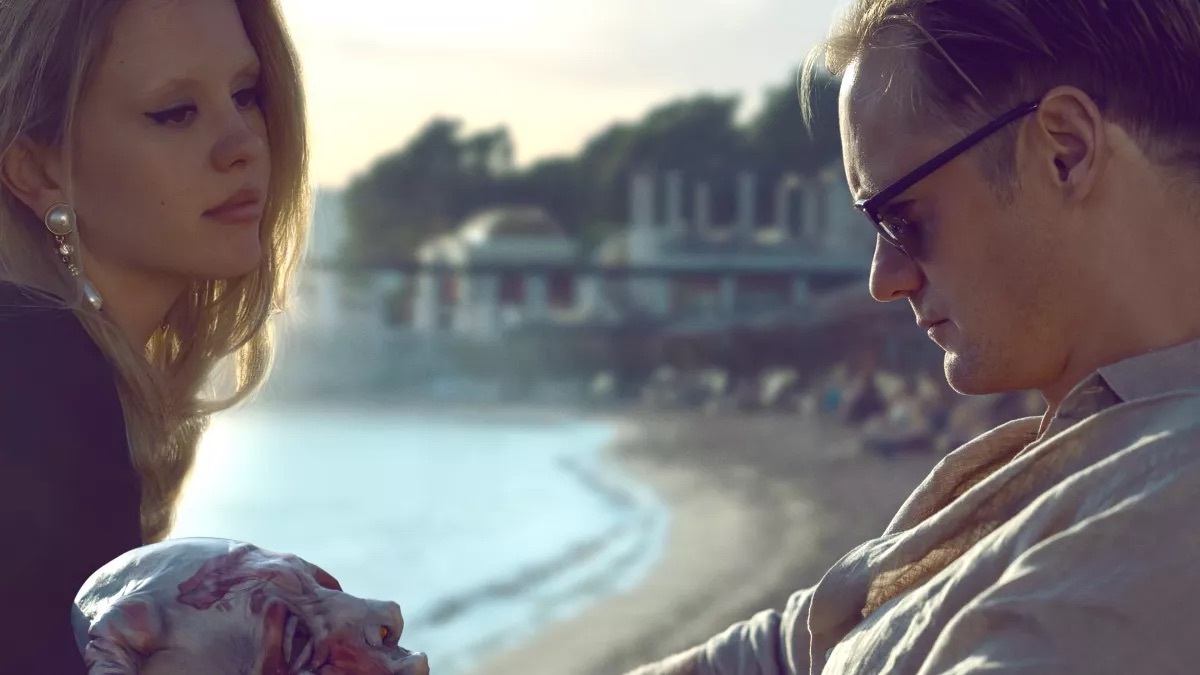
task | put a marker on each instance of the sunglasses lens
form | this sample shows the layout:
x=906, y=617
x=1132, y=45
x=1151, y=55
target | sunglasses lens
x=900, y=233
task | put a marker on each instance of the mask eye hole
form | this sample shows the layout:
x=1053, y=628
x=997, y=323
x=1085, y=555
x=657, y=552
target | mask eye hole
x=389, y=636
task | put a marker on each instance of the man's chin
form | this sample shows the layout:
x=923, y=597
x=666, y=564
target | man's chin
x=967, y=377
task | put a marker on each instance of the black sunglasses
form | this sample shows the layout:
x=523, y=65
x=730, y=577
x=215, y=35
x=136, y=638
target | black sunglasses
x=894, y=229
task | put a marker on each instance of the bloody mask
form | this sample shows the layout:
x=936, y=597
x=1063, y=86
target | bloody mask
x=206, y=606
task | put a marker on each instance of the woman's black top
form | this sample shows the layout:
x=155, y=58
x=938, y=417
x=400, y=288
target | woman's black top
x=69, y=495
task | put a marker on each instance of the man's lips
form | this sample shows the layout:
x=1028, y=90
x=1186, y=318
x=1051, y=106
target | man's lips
x=937, y=332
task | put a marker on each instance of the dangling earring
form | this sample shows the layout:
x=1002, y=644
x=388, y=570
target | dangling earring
x=60, y=221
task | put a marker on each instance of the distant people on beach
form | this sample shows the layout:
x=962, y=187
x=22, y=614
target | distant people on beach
x=1030, y=168
x=154, y=206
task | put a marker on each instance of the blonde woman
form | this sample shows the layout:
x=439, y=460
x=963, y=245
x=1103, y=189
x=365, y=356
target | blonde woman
x=154, y=207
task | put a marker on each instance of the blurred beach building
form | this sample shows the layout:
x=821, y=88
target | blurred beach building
x=508, y=266
x=336, y=332
x=799, y=259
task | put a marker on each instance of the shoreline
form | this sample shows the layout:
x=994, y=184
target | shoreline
x=760, y=506
x=500, y=411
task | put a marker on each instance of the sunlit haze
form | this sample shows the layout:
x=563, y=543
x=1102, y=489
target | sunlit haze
x=555, y=72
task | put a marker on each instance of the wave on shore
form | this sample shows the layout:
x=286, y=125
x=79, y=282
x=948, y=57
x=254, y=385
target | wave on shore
x=462, y=628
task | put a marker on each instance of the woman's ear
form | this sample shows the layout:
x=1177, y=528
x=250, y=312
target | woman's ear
x=33, y=173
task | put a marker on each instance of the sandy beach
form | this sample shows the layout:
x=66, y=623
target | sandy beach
x=761, y=505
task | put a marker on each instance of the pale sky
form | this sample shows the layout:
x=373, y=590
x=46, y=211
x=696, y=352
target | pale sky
x=555, y=71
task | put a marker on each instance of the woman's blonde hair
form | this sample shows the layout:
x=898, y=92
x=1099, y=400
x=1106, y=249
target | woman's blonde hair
x=49, y=49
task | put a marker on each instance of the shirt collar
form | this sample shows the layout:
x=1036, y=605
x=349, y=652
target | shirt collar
x=1154, y=373
x=1149, y=374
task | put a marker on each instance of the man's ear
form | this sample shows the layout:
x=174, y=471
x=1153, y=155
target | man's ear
x=34, y=174
x=1074, y=138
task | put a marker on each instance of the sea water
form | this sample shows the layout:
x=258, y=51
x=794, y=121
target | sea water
x=484, y=527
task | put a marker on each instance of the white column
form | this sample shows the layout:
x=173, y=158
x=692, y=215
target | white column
x=643, y=231
x=464, y=302
x=641, y=201
x=746, y=221
x=425, y=304
x=588, y=293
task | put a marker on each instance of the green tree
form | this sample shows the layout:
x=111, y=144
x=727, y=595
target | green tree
x=778, y=138
x=441, y=176
x=424, y=189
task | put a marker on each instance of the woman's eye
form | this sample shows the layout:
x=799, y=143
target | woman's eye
x=173, y=116
x=247, y=98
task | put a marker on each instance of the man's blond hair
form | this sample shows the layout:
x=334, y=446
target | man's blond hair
x=969, y=60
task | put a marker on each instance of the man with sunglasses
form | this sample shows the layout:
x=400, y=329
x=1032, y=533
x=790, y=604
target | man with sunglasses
x=1032, y=168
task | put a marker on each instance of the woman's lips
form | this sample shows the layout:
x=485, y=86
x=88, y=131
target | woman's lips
x=238, y=214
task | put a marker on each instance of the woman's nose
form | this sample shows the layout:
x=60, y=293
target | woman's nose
x=240, y=144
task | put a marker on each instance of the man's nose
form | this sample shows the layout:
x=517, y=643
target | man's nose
x=894, y=276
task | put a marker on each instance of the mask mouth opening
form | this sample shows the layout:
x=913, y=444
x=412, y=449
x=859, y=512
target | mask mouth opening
x=297, y=644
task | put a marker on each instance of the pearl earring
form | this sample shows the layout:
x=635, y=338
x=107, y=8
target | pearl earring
x=60, y=221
